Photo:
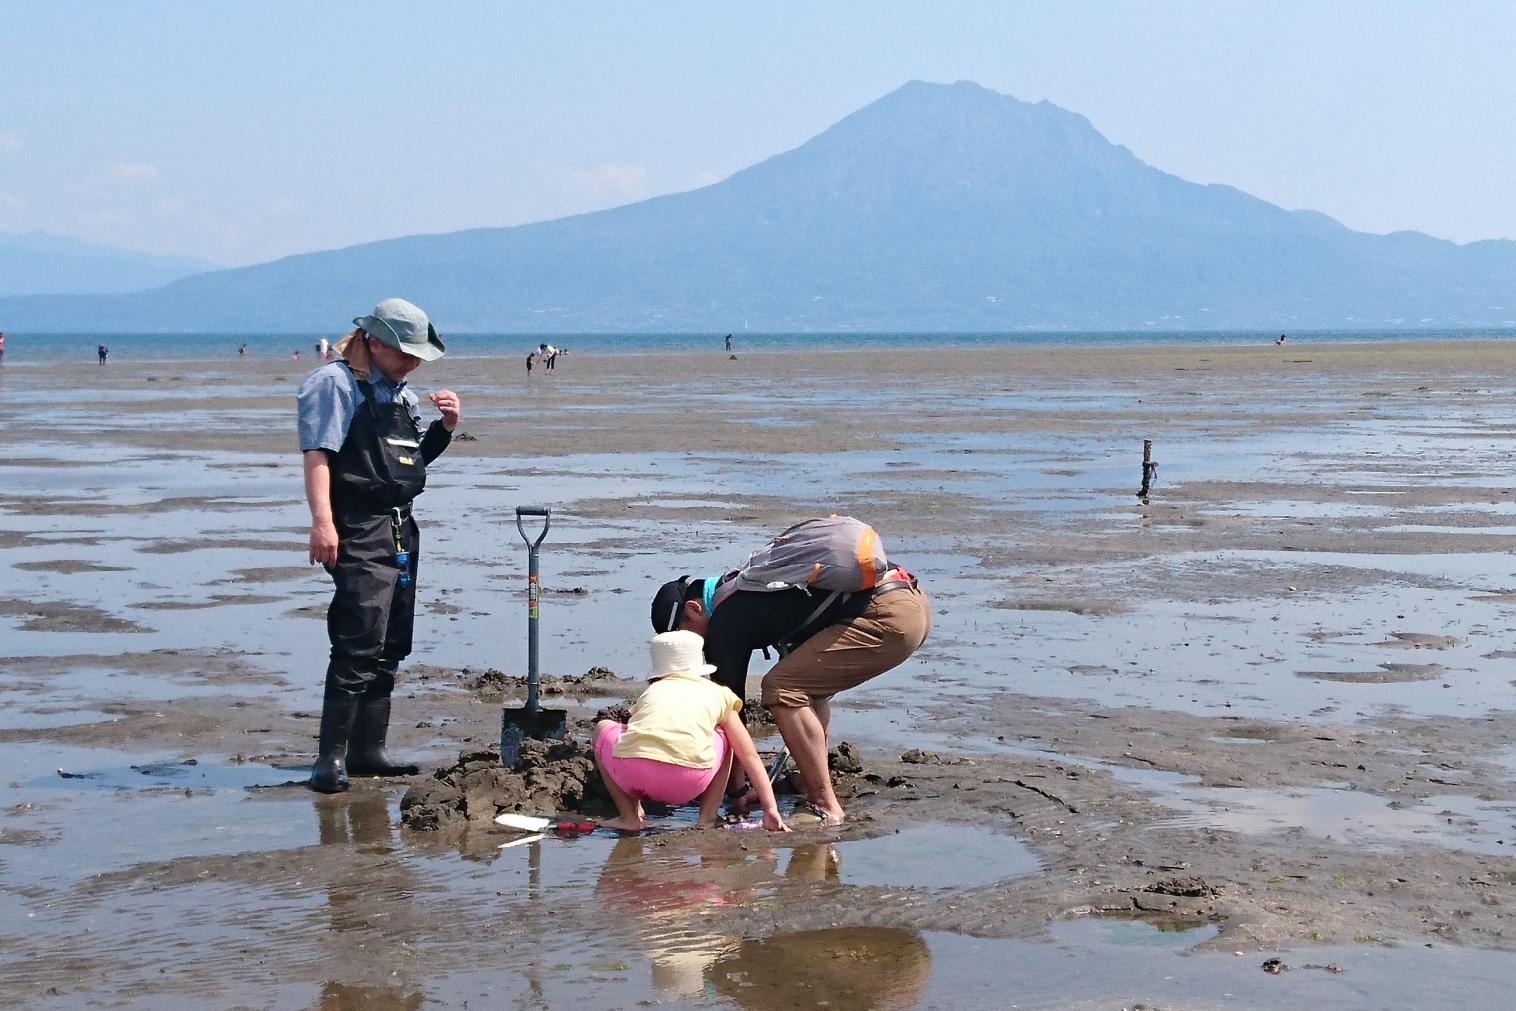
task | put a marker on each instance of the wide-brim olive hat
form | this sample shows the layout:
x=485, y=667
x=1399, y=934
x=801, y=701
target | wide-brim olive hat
x=403, y=327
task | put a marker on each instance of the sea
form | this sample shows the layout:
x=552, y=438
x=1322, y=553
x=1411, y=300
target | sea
x=51, y=348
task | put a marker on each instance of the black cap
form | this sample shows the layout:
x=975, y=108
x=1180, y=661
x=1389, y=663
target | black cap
x=668, y=602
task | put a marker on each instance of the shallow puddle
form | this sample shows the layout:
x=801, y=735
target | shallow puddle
x=43, y=718
x=930, y=856
x=1359, y=818
x=1173, y=934
x=1087, y=964
x=187, y=775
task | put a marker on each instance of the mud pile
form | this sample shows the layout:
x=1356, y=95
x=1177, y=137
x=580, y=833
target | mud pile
x=494, y=684
x=756, y=715
x=553, y=777
x=549, y=777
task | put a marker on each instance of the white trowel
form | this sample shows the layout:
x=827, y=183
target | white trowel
x=523, y=822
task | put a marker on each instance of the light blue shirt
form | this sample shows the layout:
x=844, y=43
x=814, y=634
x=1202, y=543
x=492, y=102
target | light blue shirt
x=329, y=397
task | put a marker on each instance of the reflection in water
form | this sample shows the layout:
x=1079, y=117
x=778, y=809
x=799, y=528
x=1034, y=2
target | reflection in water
x=843, y=967
x=361, y=819
x=372, y=889
x=668, y=896
x=341, y=997
x=821, y=862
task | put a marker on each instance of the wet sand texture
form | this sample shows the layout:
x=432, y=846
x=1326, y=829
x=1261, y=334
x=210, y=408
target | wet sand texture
x=1267, y=712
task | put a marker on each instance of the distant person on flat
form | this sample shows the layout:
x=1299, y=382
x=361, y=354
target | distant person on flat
x=102, y=353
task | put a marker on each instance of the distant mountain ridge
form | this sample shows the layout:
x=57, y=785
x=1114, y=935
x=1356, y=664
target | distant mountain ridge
x=37, y=263
x=937, y=207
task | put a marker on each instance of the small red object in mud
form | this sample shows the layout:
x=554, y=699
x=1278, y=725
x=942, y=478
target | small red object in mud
x=574, y=827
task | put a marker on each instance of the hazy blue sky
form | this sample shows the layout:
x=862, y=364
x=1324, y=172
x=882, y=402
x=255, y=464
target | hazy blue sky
x=247, y=131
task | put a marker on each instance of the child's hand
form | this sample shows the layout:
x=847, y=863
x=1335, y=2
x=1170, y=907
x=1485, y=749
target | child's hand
x=772, y=821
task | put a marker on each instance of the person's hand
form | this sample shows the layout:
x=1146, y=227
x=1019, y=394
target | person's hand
x=773, y=822
x=323, y=544
x=447, y=402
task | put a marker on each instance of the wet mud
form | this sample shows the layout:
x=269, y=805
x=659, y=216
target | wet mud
x=1267, y=713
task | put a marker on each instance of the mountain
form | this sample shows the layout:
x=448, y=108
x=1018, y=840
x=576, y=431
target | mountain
x=41, y=264
x=937, y=207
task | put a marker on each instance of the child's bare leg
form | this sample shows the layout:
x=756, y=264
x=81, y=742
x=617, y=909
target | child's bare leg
x=710, y=799
x=628, y=808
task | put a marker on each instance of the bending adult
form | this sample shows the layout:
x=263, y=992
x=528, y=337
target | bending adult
x=851, y=640
x=365, y=462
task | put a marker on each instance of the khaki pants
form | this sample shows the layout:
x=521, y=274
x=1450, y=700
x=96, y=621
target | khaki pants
x=845, y=655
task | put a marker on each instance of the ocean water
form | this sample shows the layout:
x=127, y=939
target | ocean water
x=57, y=347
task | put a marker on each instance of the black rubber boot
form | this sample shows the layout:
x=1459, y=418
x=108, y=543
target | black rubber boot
x=365, y=754
x=338, y=710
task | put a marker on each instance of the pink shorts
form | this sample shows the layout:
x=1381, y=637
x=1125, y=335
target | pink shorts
x=648, y=779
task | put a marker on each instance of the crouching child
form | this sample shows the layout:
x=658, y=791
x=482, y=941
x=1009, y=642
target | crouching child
x=683, y=737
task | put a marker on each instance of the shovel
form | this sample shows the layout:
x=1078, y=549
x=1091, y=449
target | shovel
x=530, y=720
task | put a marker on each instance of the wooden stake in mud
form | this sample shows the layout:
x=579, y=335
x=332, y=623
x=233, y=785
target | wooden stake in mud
x=1149, y=471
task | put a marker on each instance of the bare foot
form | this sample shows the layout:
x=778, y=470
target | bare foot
x=624, y=824
x=828, y=817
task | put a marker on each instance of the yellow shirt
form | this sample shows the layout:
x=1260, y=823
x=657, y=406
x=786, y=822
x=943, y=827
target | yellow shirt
x=674, y=719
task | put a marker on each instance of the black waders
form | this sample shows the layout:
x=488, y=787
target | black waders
x=379, y=470
x=338, y=711
x=365, y=749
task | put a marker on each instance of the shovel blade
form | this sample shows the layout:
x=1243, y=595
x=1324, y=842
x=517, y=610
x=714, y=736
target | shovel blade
x=516, y=725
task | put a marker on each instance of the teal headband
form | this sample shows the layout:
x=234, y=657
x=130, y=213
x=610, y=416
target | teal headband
x=707, y=591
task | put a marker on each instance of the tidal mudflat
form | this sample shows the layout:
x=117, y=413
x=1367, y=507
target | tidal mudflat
x=1147, y=749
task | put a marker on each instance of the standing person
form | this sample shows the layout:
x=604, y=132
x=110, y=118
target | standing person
x=827, y=642
x=729, y=342
x=324, y=349
x=102, y=353
x=2, y=347
x=242, y=350
x=531, y=359
x=365, y=462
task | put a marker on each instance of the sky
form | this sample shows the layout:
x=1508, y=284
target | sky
x=242, y=132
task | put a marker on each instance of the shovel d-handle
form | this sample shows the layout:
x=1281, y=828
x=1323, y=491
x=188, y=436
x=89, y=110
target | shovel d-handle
x=533, y=595
x=547, y=518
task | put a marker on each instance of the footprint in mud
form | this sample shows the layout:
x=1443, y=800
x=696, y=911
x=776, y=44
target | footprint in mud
x=1092, y=670
x=1093, y=608
x=1388, y=673
x=1497, y=597
x=1397, y=640
x=64, y=616
x=215, y=600
x=67, y=566
x=1417, y=640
